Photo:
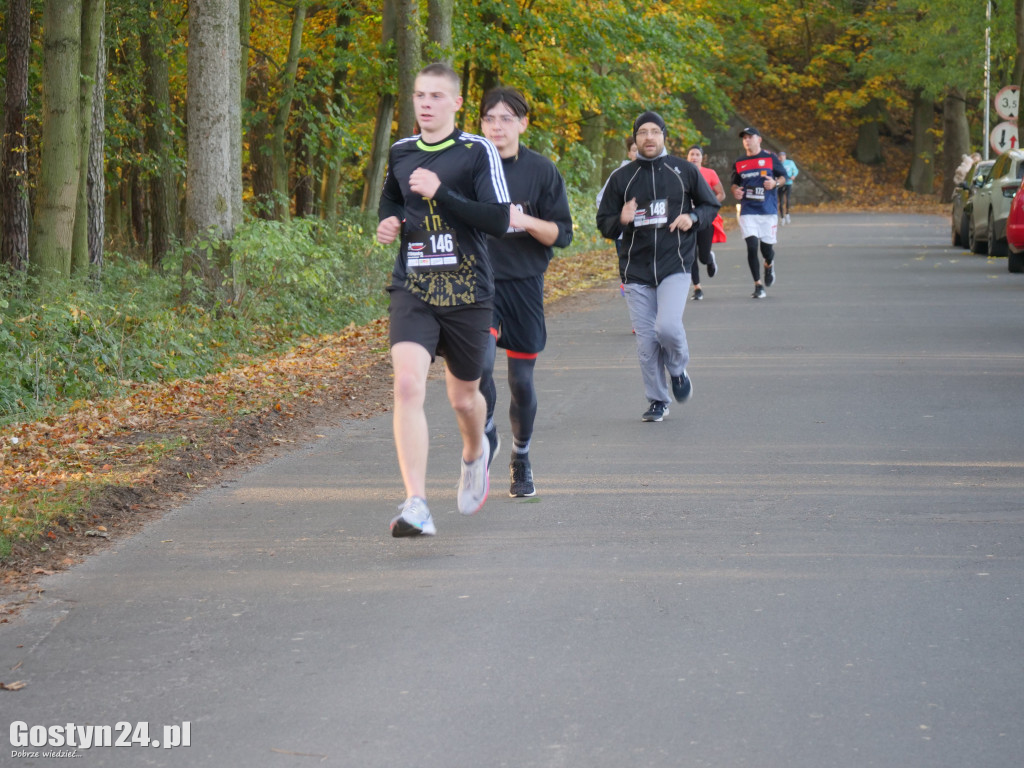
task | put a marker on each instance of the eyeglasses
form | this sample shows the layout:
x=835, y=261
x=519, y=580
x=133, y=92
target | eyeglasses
x=505, y=119
x=652, y=132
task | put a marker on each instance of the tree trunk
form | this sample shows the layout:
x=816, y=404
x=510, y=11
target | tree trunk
x=96, y=177
x=154, y=39
x=439, y=45
x=60, y=158
x=305, y=198
x=261, y=158
x=408, y=44
x=332, y=171
x=956, y=138
x=208, y=219
x=385, y=114
x=244, y=35
x=240, y=64
x=284, y=108
x=138, y=203
x=381, y=145
x=92, y=23
x=1018, y=24
x=14, y=159
x=1018, y=63
x=869, y=145
x=592, y=130
x=921, y=174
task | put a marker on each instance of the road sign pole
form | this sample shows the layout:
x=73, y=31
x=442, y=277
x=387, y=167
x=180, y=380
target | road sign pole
x=988, y=56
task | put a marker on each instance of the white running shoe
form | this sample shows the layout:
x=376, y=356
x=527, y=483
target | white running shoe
x=414, y=519
x=475, y=482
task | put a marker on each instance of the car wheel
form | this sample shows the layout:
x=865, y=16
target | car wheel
x=964, y=230
x=1015, y=261
x=954, y=232
x=976, y=245
x=996, y=247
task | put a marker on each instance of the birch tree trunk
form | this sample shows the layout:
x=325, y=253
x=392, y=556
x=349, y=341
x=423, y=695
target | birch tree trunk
x=92, y=23
x=14, y=158
x=208, y=214
x=60, y=160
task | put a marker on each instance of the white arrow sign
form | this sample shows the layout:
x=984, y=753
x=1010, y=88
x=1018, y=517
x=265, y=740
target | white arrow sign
x=1004, y=137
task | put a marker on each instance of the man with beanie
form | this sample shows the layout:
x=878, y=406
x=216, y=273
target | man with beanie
x=755, y=180
x=657, y=203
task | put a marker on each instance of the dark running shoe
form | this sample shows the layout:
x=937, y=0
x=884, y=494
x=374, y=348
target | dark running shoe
x=698, y=294
x=712, y=265
x=769, y=275
x=494, y=441
x=682, y=387
x=758, y=292
x=657, y=412
x=522, y=479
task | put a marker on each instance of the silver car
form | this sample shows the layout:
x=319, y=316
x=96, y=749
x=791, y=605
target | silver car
x=989, y=206
x=960, y=225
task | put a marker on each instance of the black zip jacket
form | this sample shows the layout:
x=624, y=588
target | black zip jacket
x=664, y=188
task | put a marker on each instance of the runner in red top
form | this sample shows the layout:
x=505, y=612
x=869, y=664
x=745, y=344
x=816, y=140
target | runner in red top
x=705, y=237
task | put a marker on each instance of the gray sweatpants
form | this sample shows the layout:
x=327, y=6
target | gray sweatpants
x=657, y=317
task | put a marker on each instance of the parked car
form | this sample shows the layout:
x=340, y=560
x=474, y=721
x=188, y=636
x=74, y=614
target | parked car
x=989, y=206
x=959, y=223
x=1015, y=233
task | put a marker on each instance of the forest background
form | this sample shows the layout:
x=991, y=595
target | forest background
x=188, y=189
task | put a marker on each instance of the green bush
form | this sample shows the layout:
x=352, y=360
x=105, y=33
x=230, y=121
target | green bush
x=291, y=281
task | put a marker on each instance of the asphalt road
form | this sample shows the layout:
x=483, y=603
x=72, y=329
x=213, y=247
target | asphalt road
x=816, y=562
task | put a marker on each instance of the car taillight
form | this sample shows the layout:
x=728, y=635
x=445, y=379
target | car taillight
x=1009, y=190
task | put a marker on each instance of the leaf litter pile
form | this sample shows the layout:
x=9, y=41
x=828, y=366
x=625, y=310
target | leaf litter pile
x=120, y=462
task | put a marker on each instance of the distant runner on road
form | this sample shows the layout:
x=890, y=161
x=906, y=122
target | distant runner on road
x=755, y=177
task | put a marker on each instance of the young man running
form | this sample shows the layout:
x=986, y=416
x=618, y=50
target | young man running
x=755, y=178
x=443, y=193
x=657, y=203
x=540, y=221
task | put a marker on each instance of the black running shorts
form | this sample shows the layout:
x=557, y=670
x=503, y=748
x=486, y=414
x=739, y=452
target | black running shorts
x=458, y=334
x=519, y=314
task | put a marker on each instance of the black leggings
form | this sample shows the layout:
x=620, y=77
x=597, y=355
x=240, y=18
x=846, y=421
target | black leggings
x=704, y=237
x=522, y=410
x=784, y=199
x=767, y=250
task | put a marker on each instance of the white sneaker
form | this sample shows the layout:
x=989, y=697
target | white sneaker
x=475, y=482
x=787, y=218
x=414, y=519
